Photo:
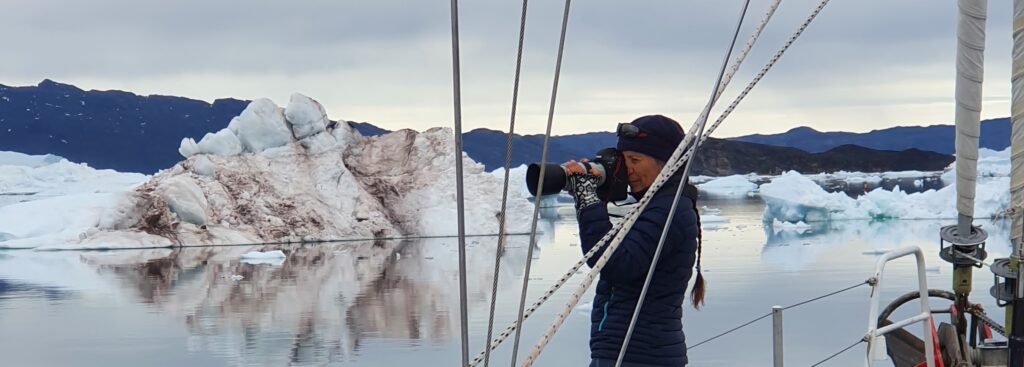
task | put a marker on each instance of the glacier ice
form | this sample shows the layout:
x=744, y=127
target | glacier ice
x=185, y=199
x=25, y=160
x=223, y=143
x=259, y=255
x=204, y=167
x=55, y=201
x=282, y=175
x=735, y=186
x=261, y=126
x=793, y=197
x=306, y=116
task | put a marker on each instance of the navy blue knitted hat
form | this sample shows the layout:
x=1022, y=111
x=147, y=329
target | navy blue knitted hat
x=658, y=137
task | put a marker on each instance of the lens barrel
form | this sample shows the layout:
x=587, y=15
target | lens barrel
x=554, y=178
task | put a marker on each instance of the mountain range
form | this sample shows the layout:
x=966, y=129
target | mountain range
x=995, y=135
x=133, y=133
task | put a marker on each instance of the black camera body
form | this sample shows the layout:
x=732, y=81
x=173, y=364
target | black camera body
x=612, y=184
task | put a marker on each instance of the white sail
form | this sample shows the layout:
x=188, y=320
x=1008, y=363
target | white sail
x=970, y=57
x=1017, y=117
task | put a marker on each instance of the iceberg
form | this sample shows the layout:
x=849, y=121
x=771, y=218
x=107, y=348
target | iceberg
x=254, y=255
x=25, y=160
x=735, y=186
x=793, y=197
x=991, y=163
x=30, y=178
x=51, y=200
x=279, y=175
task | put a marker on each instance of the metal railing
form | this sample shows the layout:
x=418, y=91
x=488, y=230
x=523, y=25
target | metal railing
x=875, y=336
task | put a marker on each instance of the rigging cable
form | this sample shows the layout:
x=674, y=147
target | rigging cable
x=677, y=161
x=460, y=204
x=579, y=264
x=504, y=193
x=540, y=183
x=702, y=120
x=759, y=318
x=838, y=353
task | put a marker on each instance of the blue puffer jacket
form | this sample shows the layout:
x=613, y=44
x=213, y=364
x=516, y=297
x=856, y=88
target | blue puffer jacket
x=658, y=337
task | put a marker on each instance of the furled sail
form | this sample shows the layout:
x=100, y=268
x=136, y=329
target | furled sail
x=1017, y=118
x=970, y=57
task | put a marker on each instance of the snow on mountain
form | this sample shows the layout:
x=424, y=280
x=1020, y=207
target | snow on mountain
x=288, y=174
x=792, y=197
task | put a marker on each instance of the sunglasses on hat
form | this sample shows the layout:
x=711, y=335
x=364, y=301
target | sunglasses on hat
x=628, y=130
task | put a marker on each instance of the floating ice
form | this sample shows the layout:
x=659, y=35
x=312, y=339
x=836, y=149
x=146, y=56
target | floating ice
x=57, y=201
x=204, y=167
x=25, y=160
x=269, y=255
x=261, y=126
x=792, y=197
x=991, y=163
x=798, y=227
x=185, y=199
x=296, y=177
x=29, y=179
x=223, y=143
x=706, y=210
x=735, y=186
x=713, y=218
x=306, y=116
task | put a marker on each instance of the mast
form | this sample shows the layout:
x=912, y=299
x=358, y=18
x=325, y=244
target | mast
x=1015, y=315
x=966, y=240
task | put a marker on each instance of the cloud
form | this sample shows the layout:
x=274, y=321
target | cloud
x=860, y=66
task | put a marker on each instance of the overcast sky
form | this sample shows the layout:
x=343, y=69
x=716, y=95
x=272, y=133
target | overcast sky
x=861, y=65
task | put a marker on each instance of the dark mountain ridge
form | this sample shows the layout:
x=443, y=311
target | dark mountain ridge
x=995, y=135
x=133, y=133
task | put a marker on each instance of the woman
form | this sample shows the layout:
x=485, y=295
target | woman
x=657, y=340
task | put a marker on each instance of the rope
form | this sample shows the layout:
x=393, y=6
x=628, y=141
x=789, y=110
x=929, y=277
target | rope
x=457, y=97
x=838, y=353
x=677, y=160
x=764, y=70
x=631, y=216
x=540, y=183
x=504, y=192
x=703, y=119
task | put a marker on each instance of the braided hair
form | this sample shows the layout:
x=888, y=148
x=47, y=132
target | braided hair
x=697, y=293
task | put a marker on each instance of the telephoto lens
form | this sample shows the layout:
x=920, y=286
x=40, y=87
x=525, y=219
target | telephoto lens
x=612, y=182
x=555, y=177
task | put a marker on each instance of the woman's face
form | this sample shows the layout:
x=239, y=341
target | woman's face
x=643, y=170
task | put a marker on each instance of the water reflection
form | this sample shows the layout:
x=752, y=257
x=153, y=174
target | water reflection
x=794, y=248
x=321, y=304
x=14, y=289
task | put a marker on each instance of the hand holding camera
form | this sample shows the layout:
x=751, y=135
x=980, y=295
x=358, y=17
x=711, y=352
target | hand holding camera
x=582, y=181
x=606, y=170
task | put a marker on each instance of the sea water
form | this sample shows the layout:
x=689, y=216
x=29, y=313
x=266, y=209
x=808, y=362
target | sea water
x=397, y=303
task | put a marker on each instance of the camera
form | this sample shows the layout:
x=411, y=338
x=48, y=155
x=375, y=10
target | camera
x=613, y=181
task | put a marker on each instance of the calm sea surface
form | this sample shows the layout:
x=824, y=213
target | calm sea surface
x=397, y=303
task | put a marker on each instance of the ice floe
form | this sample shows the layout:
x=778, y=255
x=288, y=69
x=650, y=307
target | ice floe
x=793, y=197
x=735, y=186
